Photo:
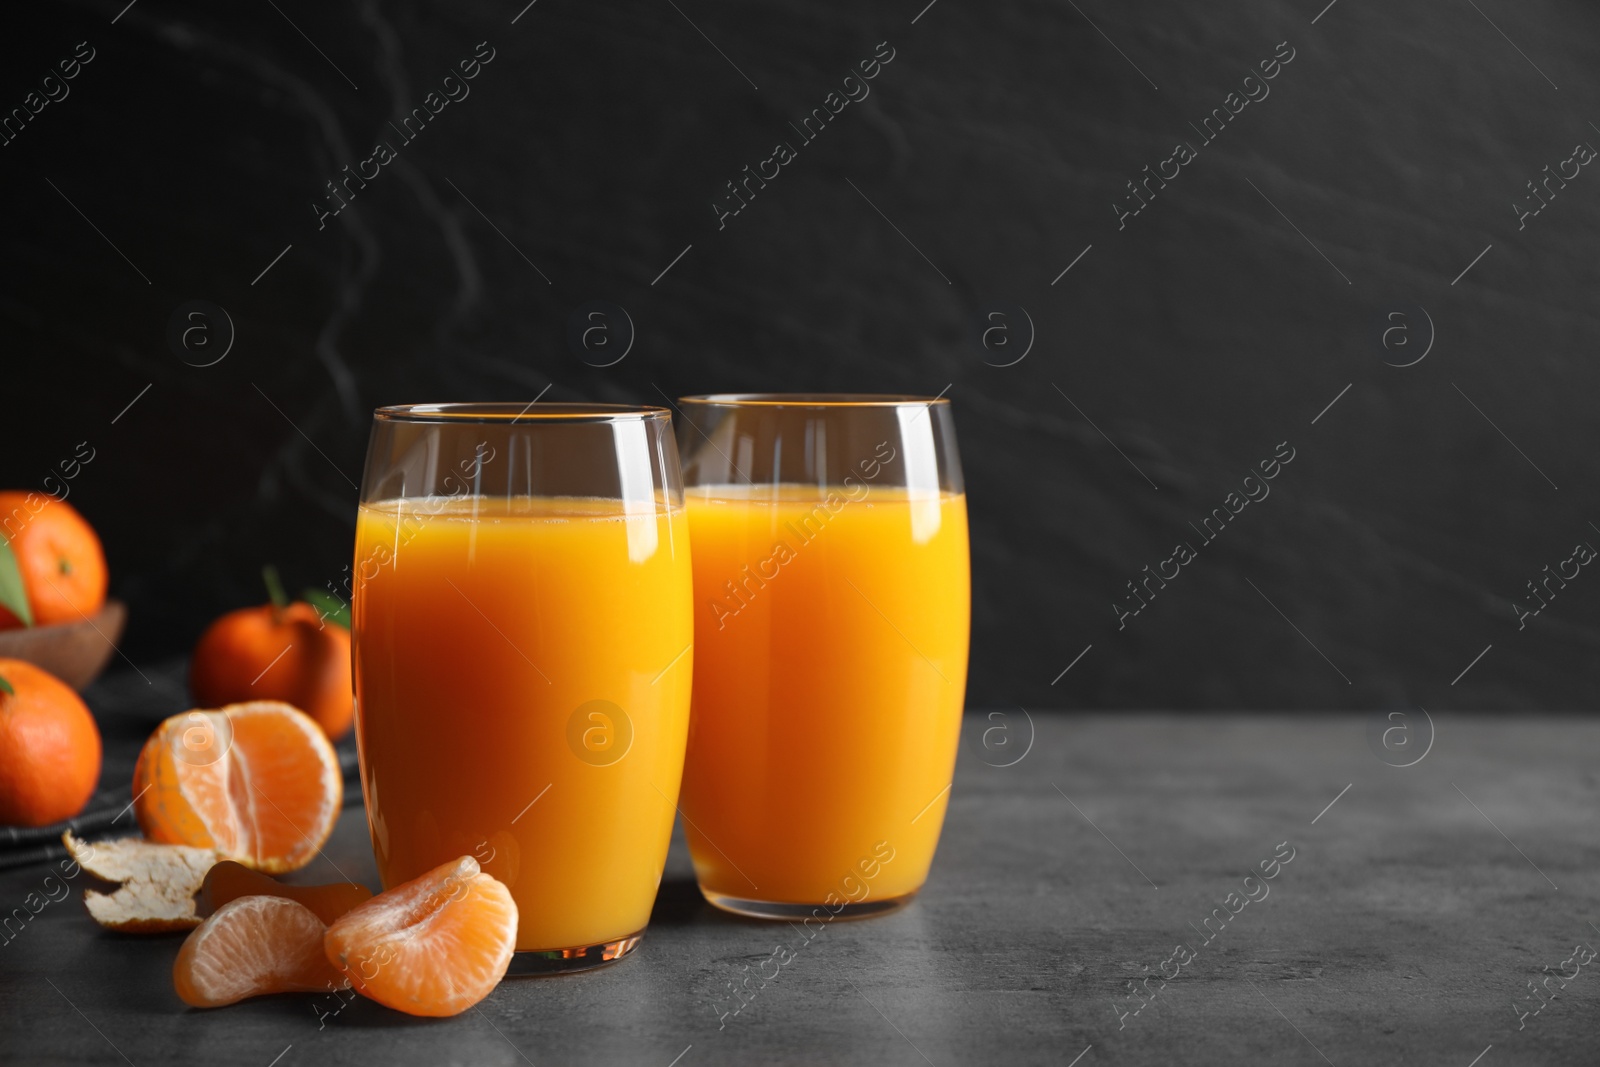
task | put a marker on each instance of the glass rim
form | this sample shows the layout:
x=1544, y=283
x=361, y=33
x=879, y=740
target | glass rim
x=814, y=400
x=509, y=413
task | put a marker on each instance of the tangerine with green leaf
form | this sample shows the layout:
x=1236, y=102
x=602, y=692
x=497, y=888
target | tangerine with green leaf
x=55, y=555
x=278, y=651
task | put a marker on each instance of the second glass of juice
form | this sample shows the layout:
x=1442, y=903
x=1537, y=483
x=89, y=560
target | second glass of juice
x=831, y=617
x=523, y=656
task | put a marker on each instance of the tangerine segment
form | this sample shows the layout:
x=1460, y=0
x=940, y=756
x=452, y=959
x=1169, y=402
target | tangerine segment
x=228, y=881
x=258, y=782
x=434, y=946
x=252, y=946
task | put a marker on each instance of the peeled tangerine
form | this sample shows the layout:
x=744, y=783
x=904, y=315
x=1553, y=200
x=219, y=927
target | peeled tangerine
x=434, y=946
x=254, y=945
x=257, y=782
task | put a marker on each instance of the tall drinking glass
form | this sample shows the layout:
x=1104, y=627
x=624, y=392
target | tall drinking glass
x=831, y=615
x=523, y=656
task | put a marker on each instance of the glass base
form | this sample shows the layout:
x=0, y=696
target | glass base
x=790, y=912
x=536, y=962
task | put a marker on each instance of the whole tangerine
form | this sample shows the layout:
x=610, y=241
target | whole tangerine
x=59, y=556
x=288, y=653
x=49, y=747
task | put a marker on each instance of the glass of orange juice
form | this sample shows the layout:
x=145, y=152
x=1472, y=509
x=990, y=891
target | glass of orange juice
x=523, y=652
x=831, y=616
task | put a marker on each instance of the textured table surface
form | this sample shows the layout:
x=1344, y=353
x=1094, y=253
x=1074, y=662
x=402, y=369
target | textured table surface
x=1416, y=910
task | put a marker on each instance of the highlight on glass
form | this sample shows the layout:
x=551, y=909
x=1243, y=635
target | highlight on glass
x=523, y=652
x=831, y=619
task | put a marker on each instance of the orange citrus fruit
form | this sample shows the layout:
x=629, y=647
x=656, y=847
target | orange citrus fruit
x=434, y=946
x=228, y=881
x=252, y=946
x=272, y=653
x=258, y=782
x=49, y=747
x=63, y=566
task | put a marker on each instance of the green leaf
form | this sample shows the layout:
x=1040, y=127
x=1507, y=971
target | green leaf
x=5, y=687
x=330, y=607
x=269, y=577
x=13, y=595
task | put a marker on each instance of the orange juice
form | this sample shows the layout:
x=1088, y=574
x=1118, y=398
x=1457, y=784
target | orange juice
x=522, y=673
x=830, y=666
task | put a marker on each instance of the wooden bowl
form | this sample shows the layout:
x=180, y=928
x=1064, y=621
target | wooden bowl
x=75, y=652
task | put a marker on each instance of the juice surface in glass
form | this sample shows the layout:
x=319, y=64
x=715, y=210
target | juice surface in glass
x=830, y=668
x=487, y=629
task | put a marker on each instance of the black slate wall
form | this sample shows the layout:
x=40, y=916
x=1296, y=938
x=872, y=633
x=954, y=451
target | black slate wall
x=1183, y=348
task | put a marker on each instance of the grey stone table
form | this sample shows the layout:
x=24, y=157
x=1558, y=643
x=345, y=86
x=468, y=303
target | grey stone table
x=1418, y=908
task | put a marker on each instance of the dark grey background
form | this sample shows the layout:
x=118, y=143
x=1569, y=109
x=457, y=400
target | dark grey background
x=1198, y=337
